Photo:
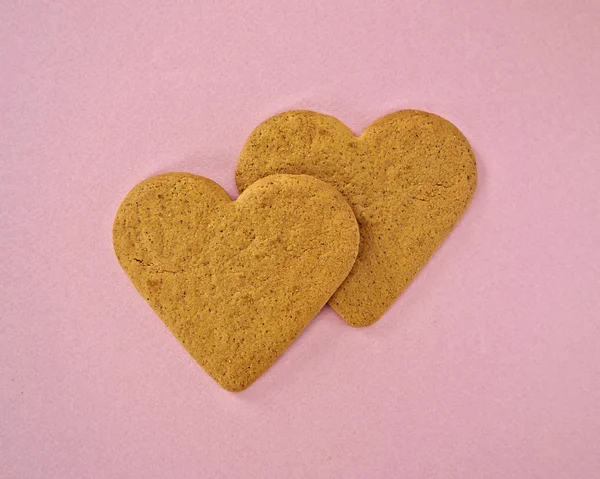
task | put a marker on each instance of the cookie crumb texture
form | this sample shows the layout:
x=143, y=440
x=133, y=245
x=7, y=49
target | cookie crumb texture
x=408, y=177
x=235, y=281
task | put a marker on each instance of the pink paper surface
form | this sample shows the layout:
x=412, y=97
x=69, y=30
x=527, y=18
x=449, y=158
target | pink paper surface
x=487, y=367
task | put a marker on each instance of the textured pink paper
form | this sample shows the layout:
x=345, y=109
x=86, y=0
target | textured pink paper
x=487, y=367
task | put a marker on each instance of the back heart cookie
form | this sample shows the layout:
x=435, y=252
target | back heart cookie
x=408, y=177
x=235, y=281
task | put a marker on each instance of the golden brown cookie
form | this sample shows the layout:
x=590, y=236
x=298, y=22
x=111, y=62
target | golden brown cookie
x=235, y=281
x=409, y=177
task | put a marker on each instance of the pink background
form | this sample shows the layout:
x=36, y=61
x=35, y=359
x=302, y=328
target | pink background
x=487, y=367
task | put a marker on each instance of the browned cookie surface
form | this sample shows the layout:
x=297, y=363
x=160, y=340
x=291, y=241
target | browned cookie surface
x=235, y=281
x=408, y=177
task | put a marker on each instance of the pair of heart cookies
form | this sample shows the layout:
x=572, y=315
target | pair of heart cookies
x=323, y=216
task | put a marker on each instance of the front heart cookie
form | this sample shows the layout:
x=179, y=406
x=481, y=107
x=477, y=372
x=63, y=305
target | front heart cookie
x=408, y=177
x=235, y=281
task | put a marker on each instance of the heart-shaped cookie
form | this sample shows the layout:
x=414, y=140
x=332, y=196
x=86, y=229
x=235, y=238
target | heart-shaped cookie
x=408, y=177
x=235, y=281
